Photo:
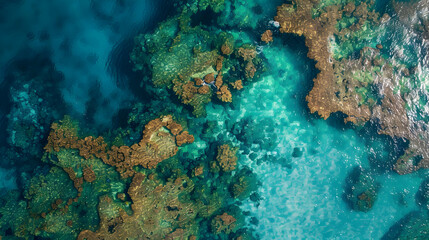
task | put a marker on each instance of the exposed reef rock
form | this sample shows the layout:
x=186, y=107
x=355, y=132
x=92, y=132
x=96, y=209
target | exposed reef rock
x=267, y=36
x=329, y=94
x=355, y=78
x=160, y=141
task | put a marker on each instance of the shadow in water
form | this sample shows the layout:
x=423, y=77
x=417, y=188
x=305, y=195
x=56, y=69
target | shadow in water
x=297, y=45
x=119, y=64
x=412, y=226
x=384, y=150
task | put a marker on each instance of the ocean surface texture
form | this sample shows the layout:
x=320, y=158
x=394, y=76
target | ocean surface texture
x=214, y=119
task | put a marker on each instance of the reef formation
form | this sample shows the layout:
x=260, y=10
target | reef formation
x=172, y=174
x=97, y=190
x=194, y=63
x=356, y=76
x=151, y=179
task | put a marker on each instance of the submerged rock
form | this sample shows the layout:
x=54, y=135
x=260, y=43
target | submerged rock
x=361, y=190
x=422, y=196
x=257, y=131
x=414, y=225
x=36, y=101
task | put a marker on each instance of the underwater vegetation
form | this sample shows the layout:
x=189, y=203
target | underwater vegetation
x=98, y=190
x=356, y=77
x=197, y=65
x=183, y=159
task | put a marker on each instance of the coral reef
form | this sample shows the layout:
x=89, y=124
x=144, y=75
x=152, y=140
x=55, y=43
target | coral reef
x=267, y=36
x=160, y=211
x=161, y=139
x=62, y=201
x=328, y=95
x=195, y=6
x=243, y=184
x=355, y=78
x=227, y=157
x=247, y=14
x=223, y=223
x=412, y=226
x=85, y=194
x=193, y=63
x=237, y=85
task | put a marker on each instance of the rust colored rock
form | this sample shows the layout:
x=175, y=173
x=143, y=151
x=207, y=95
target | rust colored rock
x=238, y=85
x=247, y=54
x=121, y=196
x=250, y=69
x=219, y=63
x=227, y=50
x=59, y=201
x=183, y=138
x=158, y=143
x=267, y=36
x=89, y=147
x=60, y=138
x=204, y=89
x=198, y=171
x=224, y=94
x=209, y=78
x=334, y=91
x=198, y=81
x=317, y=31
x=188, y=91
x=89, y=174
x=78, y=184
x=174, y=127
x=219, y=80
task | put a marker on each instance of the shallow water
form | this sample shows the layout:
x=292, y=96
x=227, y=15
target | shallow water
x=305, y=202
x=302, y=177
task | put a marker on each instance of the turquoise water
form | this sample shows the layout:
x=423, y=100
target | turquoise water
x=302, y=162
x=305, y=200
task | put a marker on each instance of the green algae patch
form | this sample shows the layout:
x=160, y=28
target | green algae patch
x=198, y=64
